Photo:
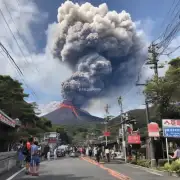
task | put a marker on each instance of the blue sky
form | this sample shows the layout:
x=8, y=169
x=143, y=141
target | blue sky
x=35, y=28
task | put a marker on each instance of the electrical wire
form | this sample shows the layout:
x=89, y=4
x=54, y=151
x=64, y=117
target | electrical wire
x=17, y=68
x=19, y=34
x=11, y=59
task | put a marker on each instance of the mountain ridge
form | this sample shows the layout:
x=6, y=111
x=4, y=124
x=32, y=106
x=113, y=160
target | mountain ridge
x=67, y=113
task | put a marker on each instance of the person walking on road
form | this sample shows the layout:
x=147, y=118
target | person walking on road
x=35, y=159
x=20, y=153
x=90, y=152
x=107, y=153
x=55, y=153
x=27, y=153
x=98, y=154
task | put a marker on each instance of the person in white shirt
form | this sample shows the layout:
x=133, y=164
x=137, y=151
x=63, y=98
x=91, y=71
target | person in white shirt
x=55, y=153
x=107, y=153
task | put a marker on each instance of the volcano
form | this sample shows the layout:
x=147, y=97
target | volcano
x=68, y=114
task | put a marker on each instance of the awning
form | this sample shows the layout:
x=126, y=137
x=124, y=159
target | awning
x=7, y=120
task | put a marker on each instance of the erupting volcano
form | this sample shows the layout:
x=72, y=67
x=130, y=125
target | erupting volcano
x=102, y=48
x=67, y=113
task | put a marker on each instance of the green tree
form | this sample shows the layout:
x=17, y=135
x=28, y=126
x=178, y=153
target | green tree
x=163, y=90
x=12, y=102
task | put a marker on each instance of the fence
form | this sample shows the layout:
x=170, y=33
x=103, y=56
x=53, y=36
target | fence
x=8, y=160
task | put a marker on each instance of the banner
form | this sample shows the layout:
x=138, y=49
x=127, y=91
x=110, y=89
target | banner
x=153, y=130
x=134, y=139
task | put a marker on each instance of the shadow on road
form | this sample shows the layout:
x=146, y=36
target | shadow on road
x=54, y=177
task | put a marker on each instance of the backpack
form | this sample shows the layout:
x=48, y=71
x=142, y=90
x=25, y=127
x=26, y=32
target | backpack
x=25, y=151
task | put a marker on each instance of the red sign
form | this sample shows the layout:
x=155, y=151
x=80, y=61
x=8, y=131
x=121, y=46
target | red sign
x=129, y=130
x=7, y=121
x=153, y=129
x=52, y=140
x=134, y=139
x=107, y=134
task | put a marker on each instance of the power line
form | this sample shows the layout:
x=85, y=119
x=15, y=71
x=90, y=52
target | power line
x=17, y=68
x=11, y=59
x=19, y=34
x=13, y=35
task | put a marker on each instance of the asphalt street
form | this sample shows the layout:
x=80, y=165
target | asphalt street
x=69, y=169
x=87, y=169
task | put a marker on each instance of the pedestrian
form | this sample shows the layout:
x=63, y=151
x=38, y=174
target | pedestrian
x=112, y=153
x=98, y=154
x=55, y=153
x=48, y=156
x=35, y=159
x=46, y=150
x=27, y=153
x=107, y=153
x=176, y=153
x=20, y=153
x=90, y=152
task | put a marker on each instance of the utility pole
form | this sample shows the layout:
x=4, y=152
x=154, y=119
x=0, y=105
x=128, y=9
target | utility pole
x=106, y=121
x=122, y=128
x=152, y=50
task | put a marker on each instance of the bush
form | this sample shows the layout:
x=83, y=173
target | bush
x=162, y=162
x=167, y=166
x=133, y=161
x=173, y=167
x=144, y=163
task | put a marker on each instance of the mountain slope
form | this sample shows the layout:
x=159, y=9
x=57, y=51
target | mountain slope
x=69, y=114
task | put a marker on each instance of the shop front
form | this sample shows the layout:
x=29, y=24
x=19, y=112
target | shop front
x=7, y=125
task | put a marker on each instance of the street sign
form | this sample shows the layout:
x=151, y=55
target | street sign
x=106, y=134
x=171, y=132
x=171, y=128
x=134, y=139
x=171, y=123
x=153, y=129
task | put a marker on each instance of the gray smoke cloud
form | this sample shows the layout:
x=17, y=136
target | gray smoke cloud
x=101, y=47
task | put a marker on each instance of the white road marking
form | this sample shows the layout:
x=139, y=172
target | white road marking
x=145, y=169
x=14, y=175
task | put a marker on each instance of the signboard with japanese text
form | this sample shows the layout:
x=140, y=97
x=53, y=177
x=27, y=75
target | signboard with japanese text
x=171, y=128
x=171, y=123
x=134, y=139
x=6, y=120
x=52, y=140
x=153, y=129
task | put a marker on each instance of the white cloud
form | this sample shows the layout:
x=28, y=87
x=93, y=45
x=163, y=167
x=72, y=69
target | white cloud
x=47, y=108
x=41, y=72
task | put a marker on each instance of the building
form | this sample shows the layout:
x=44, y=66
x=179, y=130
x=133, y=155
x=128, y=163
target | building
x=7, y=125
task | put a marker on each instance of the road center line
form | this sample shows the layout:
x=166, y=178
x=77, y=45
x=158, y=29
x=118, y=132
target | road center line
x=110, y=171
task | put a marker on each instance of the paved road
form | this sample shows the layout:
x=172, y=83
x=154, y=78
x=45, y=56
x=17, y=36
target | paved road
x=86, y=169
x=69, y=169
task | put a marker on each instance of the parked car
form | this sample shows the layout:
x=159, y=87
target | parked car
x=60, y=153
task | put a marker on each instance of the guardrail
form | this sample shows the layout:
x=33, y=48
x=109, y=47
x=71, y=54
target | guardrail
x=8, y=160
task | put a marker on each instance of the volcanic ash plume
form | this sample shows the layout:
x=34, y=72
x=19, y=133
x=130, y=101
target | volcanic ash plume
x=98, y=45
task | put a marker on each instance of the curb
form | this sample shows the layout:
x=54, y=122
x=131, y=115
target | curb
x=162, y=173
